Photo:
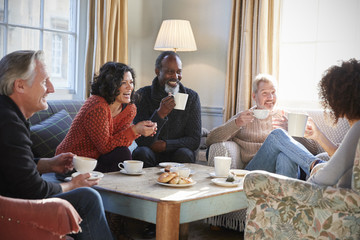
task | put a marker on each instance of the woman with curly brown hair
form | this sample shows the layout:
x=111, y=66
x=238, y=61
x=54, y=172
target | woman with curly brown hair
x=103, y=127
x=340, y=93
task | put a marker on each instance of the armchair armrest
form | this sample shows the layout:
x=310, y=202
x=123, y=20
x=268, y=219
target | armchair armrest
x=264, y=187
x=228, y=148
x=41, y=219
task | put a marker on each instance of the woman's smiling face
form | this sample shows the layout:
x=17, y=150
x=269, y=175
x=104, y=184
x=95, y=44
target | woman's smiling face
x=126, y=88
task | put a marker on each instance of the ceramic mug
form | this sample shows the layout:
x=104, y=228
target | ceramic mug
x=261, y=113
x=222, y=166
x=84, y=164
x=131, y=166
x=297, y=124
x=183, y=172
x=180, y=100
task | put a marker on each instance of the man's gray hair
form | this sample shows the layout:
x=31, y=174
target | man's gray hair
x=262, y=78
x=18, y=65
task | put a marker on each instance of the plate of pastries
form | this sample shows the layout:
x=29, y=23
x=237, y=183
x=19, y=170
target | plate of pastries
x=172, y=179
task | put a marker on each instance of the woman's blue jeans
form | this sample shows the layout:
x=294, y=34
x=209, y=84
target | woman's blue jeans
x=281, y=154
x=89, y=205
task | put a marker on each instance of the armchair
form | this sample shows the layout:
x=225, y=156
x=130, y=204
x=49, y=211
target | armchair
x=230, y=148
x=48, y=219
x=284, y=208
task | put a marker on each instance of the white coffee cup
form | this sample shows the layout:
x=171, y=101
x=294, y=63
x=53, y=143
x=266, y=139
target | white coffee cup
x=183, y=172
x=297, y=124
x=131, y=166
x=84, y=164
x=261, y=113
x=222, y=166
x=180, y=100
x=174, y=169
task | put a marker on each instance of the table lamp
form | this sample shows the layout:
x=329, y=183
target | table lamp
x=175, y=35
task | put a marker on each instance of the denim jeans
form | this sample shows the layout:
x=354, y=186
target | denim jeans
x=89, y=205
x=281, y=154
x=152, y=159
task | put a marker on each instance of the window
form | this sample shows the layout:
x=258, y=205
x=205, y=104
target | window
x=57, y=56
x=315, y=34
x=52, y=26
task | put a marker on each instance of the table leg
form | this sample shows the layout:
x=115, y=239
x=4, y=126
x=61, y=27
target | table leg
x=167, y=220
x=184, y=231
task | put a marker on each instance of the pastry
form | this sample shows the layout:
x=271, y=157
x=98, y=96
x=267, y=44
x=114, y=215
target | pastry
x=175, y=180
x=167, y=176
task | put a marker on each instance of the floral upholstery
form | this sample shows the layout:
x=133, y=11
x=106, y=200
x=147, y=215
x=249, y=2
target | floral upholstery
x=286, y=208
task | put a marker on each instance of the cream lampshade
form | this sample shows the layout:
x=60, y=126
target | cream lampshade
x=175, y=35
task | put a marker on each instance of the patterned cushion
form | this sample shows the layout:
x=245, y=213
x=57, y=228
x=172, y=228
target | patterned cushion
x=48, y=134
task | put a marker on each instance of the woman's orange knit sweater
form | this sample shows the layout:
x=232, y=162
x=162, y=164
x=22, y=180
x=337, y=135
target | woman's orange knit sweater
x=95, y=132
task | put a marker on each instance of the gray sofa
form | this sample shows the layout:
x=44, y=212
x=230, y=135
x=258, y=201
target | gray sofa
x=49, y=127
x=236, y=220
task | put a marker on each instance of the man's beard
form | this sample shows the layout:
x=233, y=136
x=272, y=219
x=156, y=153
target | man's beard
x=171, y=89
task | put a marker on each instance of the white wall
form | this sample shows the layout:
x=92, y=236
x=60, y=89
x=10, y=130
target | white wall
x=144, y=20
x=203, y=70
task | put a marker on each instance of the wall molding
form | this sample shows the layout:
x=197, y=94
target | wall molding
x=212, y=111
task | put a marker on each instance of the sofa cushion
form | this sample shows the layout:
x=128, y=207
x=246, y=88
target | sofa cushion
x=48, y=134
x=71, y=106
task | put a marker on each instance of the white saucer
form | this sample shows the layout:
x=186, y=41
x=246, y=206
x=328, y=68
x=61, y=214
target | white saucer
x=176, y=185
x=222, y=182
x=173, y=164
x=132, y=174
x=239, y=172
x=213, y=175
x=94, y=175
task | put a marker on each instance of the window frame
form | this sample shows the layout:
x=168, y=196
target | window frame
x=78, y=31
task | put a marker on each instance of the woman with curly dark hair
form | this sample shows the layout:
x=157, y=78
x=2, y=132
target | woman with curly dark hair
x=340, y=93
x=103, y=127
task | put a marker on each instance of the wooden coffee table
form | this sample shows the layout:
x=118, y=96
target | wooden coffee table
x=141, y=197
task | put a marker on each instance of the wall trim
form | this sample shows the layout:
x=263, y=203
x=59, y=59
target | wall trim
x=212, y=111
